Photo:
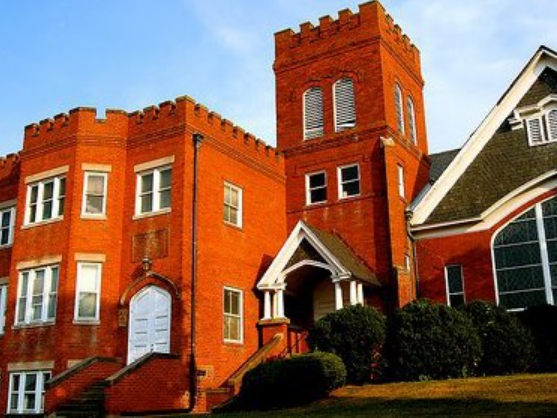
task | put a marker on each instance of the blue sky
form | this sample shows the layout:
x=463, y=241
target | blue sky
x=128, y=54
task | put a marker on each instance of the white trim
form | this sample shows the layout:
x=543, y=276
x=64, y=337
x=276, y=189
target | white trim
x=400, y=181
x=10, y=227
x=84, y=212
x=44, y=175
x=3, y=304
x=240, y=207
x=47, y=295
x=309, y=189
x=542, y=59
x=340, y=182
x=344, y=126
x=149, y=165
x=39, y=262
x=240, y=316
x=41, y=376
x=79, y=289
x=155, y=191
x=100, y=168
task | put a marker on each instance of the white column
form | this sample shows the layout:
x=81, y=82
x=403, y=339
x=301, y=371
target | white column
x=338, y=296
x=353, y=292
x=267, y=305
x=361, y=294
x=280, y=303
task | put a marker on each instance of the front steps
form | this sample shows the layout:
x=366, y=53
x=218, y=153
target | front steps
x=88, y=404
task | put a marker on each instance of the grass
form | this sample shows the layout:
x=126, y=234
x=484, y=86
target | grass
x=508, y=396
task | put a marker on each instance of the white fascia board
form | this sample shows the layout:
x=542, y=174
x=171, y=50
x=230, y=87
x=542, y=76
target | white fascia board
x=542, y=59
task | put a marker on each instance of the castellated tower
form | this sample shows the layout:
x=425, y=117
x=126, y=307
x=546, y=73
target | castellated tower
x=351, y=125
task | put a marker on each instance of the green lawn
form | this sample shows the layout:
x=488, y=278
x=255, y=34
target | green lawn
x=511, y=396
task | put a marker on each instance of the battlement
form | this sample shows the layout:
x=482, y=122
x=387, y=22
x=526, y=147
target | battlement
x=9, y=164
x=371, y=21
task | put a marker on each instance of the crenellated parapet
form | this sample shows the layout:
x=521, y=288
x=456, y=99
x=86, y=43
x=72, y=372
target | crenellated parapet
x=371, y=23
x=9, y=173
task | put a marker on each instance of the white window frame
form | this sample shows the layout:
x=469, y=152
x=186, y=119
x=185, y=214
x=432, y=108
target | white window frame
x=156, y=191
x=341, y=183
x=348, y=107
x=309, y=189
x=42, y=376
x=317, y=130
x=447, y=287
x=551, y=125
x=3, y=306
x=84, y=211
x=399, y=108
x=11, y=226
x=57, y=211
x=79, y=290
x=48, y=294
x=411, y=109
x=400, y=181
x=239, y=316
x=239, y=208
x=547, y=127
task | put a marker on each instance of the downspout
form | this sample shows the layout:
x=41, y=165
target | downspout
x=197, y=140
x=409, y=215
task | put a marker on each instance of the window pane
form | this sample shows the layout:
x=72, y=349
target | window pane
x=522, y=299
x=6, y=219
x=95, y=185
x=316, y=180
x=47, y=210
x=520, y=278
x=456, y=300
x=4, y=236
x=147, y=183
x=147, y=203
x=87, y=306
x=48, y=191
x=94, y=204
x=165, y=199
x=34, y=194
x=235, y=303
x=454, y=279
x=351, y=189
x=517, y=232
x=318, y=195
x=350, y=173
x=166, y=177
x=227, y=301
x=518, y=255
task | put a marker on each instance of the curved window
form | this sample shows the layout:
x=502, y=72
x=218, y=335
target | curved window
x=411, y=120
x=398, y=108
x=525, y=254
x=345, y=107
x=313, y=113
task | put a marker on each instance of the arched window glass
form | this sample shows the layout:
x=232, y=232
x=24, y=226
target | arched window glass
x=345, y=106
x=313, y=113
x=398, y=108
x=525, y=255
x=411, y=120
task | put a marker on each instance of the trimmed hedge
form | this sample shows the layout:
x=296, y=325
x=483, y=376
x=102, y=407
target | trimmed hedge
x=542, y=323
x=355, y=334
x=507, y=345
x=430, y=341
x=290, y=382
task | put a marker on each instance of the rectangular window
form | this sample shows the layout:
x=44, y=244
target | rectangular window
x=400, y=178
x=45, y=200
x=316, y=188
x=7, y=222
x=87, y=292
x=233, y=315
x=348, y=181
x=455, y=287
x=232, y=205
x=37, y=293
x=26, y=392
x=154, y=190
x=94, y=194
x=3, y=302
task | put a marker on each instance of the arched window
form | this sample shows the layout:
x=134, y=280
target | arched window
x=398, y=108
x=345, y=107
x=525, y=255
x=411, y=120
x=313, y=113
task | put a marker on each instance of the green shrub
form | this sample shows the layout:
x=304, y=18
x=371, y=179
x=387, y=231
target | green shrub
x=542, y=323
x=290, y=382
x=430, y=341
x=507, y=344
x=355, y=334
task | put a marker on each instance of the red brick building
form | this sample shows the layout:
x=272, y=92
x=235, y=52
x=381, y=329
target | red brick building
x=149, y=259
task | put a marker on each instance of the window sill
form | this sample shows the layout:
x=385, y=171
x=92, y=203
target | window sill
x=5, y=246
x=314, y=204
x=354, y=196
x=41, y=223
x=151, y=214
x=91, y=217
x=34, y=325
x=234, y=226
x=86, y=322
x=233, y=343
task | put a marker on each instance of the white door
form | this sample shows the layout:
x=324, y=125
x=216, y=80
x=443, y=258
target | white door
x=150, y=313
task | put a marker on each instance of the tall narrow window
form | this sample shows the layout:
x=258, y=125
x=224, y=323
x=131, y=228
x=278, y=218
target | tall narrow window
x=233, y=315
x=3, y=301
x=232, y=205
x=455, y=287
x=401, y=186
x=88, y=288
x=154, y=190
x=552, y=124
x=411, y=120
x=316, y=188
x=26, y=392
x=534, y=128
x=345, y=107
x=7, y=222
x=94, y=194
x=313, y=113
x=45, y=200
x=399, y=109
x=37, y=295
x=348, y=181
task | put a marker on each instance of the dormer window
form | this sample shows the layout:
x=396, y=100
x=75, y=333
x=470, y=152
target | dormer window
x=539, y=120
x=345, y=107
x=313, y=113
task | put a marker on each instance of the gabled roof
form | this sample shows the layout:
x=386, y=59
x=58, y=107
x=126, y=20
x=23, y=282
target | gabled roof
x=310, y=245
x=439, y=163
x=439, y=204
